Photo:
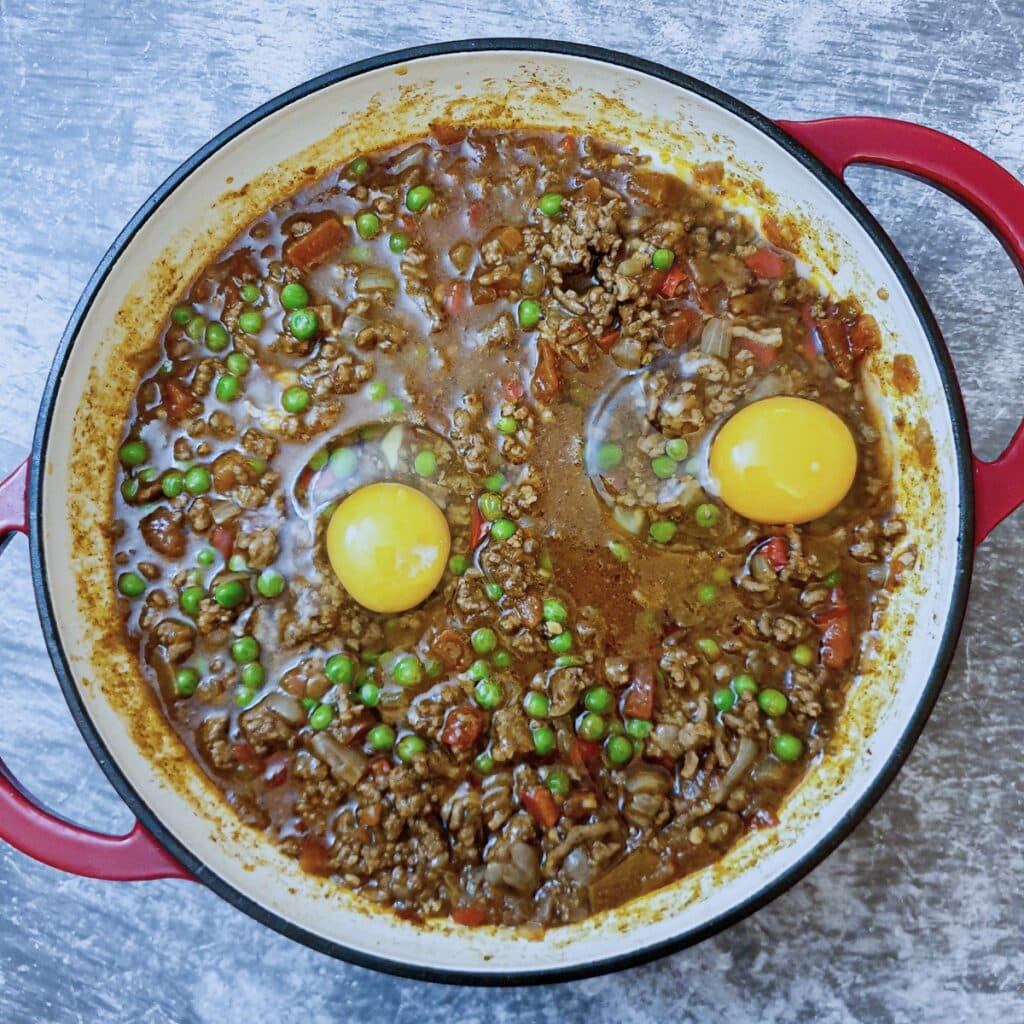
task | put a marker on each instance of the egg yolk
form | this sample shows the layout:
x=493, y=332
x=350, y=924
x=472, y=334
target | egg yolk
x=783, y=460
x=389, y=545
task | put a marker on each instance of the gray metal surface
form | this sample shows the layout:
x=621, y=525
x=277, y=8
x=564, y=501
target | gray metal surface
x=918, y=916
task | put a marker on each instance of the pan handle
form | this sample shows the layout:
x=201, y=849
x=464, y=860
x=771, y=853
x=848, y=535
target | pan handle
x=40, y=833
x=988, y=191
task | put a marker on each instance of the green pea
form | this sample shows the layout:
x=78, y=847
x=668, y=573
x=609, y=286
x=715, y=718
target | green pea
x=294, y=296
x=484, y=763
x=381, y=737
x=196, y=327
x=706, y=514
x=536, y=704
x=197, y=480
x=149, y=474
x=344, y=462
x=638, y=728
x=358, y=167
x=129, y=488
x=721, y=575
x=802, y=655
x=131, y=584
x=230, y=594
x=494, y=591
x=495, y=482
x=181, y=315
x=304, y=323
x=377, y=390
x=502, y=529
x=308, y=703
x=418, y=198
x=723, y=699
x=250, y=293
x=228, y=388
x=321, y=717
x=244, y=696
x=409, y=747
x=501, y=659
x=528, y=314
x=133, y=453
x=619, y=749
x=558, y=782
x=250, y=321
x=186, y=680
x=772, y=702
x=490, y=506
x=237, y=364
x=619, y=550
x=432, y=667
x=479, y=669
x=245, y=649
x=744, y=683
x=662, y=259
x=206, y=556
x=398, y=242
x=599, y=699
x=706, y=593
x=270, y=583
x=172, y=484
x=369, y=694
x=543, y=739
x=609, y=456
x=190, y=598
x=253, y=675
x=216, y=337
x=561, y=644
x=458, y=564
x=488, y=693
x=550, y=204
x=339, y=669
x=368, y=225
x=708, y=647
x=555, y=611
x=407, y=671
x=507, y=425
x=662, y=531
x=236, y=563
x=787, y=747
x=295, y=400
x=425, y=463
x=394, y=406
x=677, y=449
x=568, y=661
x=484, y=640
x=833, y=578
x=590, y=726
x=663, y=466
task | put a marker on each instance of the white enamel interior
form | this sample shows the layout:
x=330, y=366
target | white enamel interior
x=682, y=122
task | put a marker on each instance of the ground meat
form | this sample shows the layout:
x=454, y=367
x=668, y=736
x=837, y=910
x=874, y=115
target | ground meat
x=259, y=548
x=177, y=639
x=212, y=739
x=264, y=729
x=200, y=515
x=510, y=732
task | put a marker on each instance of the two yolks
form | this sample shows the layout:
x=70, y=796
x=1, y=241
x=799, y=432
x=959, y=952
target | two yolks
x=778, y=460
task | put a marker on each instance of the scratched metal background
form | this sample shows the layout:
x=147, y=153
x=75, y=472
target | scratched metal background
x=919, y=915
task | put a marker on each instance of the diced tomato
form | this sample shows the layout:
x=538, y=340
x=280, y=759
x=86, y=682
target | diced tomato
x=370, y=816
x=476, y=211
x=864, y=336
x=674, y=280
x=547, y=378
x=316, y=245
x=510, y=238
x=810, y=347
x=639, y=701
x=469, y=916
x=178, y=399
x=836, y=344
x=276, y=771
x=313, y=856
x=766, y=263
x=478, y=528
x=567, y=143
x=482, y=295
x=763, y=817
x=541, y=806
x=379, y=766
x=775, y=551
x=682, y=327
x=834, y=623
x=606, y=341
x=456, y=297
x=764, y=355
x=448, y=134
x=245, y=755
x=223, y=540
x=583, y=753
x=513, y=389
x=462, y=727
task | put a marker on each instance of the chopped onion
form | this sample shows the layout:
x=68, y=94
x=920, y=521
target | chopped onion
x=770, y=336
x=391, y=444
x=630, y=519
x=745, y=757
x=409, y=158
x=632, y=265
x=716, y=338
x=346, y=765
x=222, y=511
x=375, y=279
x=770, y=386
x=285, y=706
x=628, y=352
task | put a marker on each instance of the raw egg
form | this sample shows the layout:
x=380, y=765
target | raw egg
x=389, y=545
x=783, y=460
